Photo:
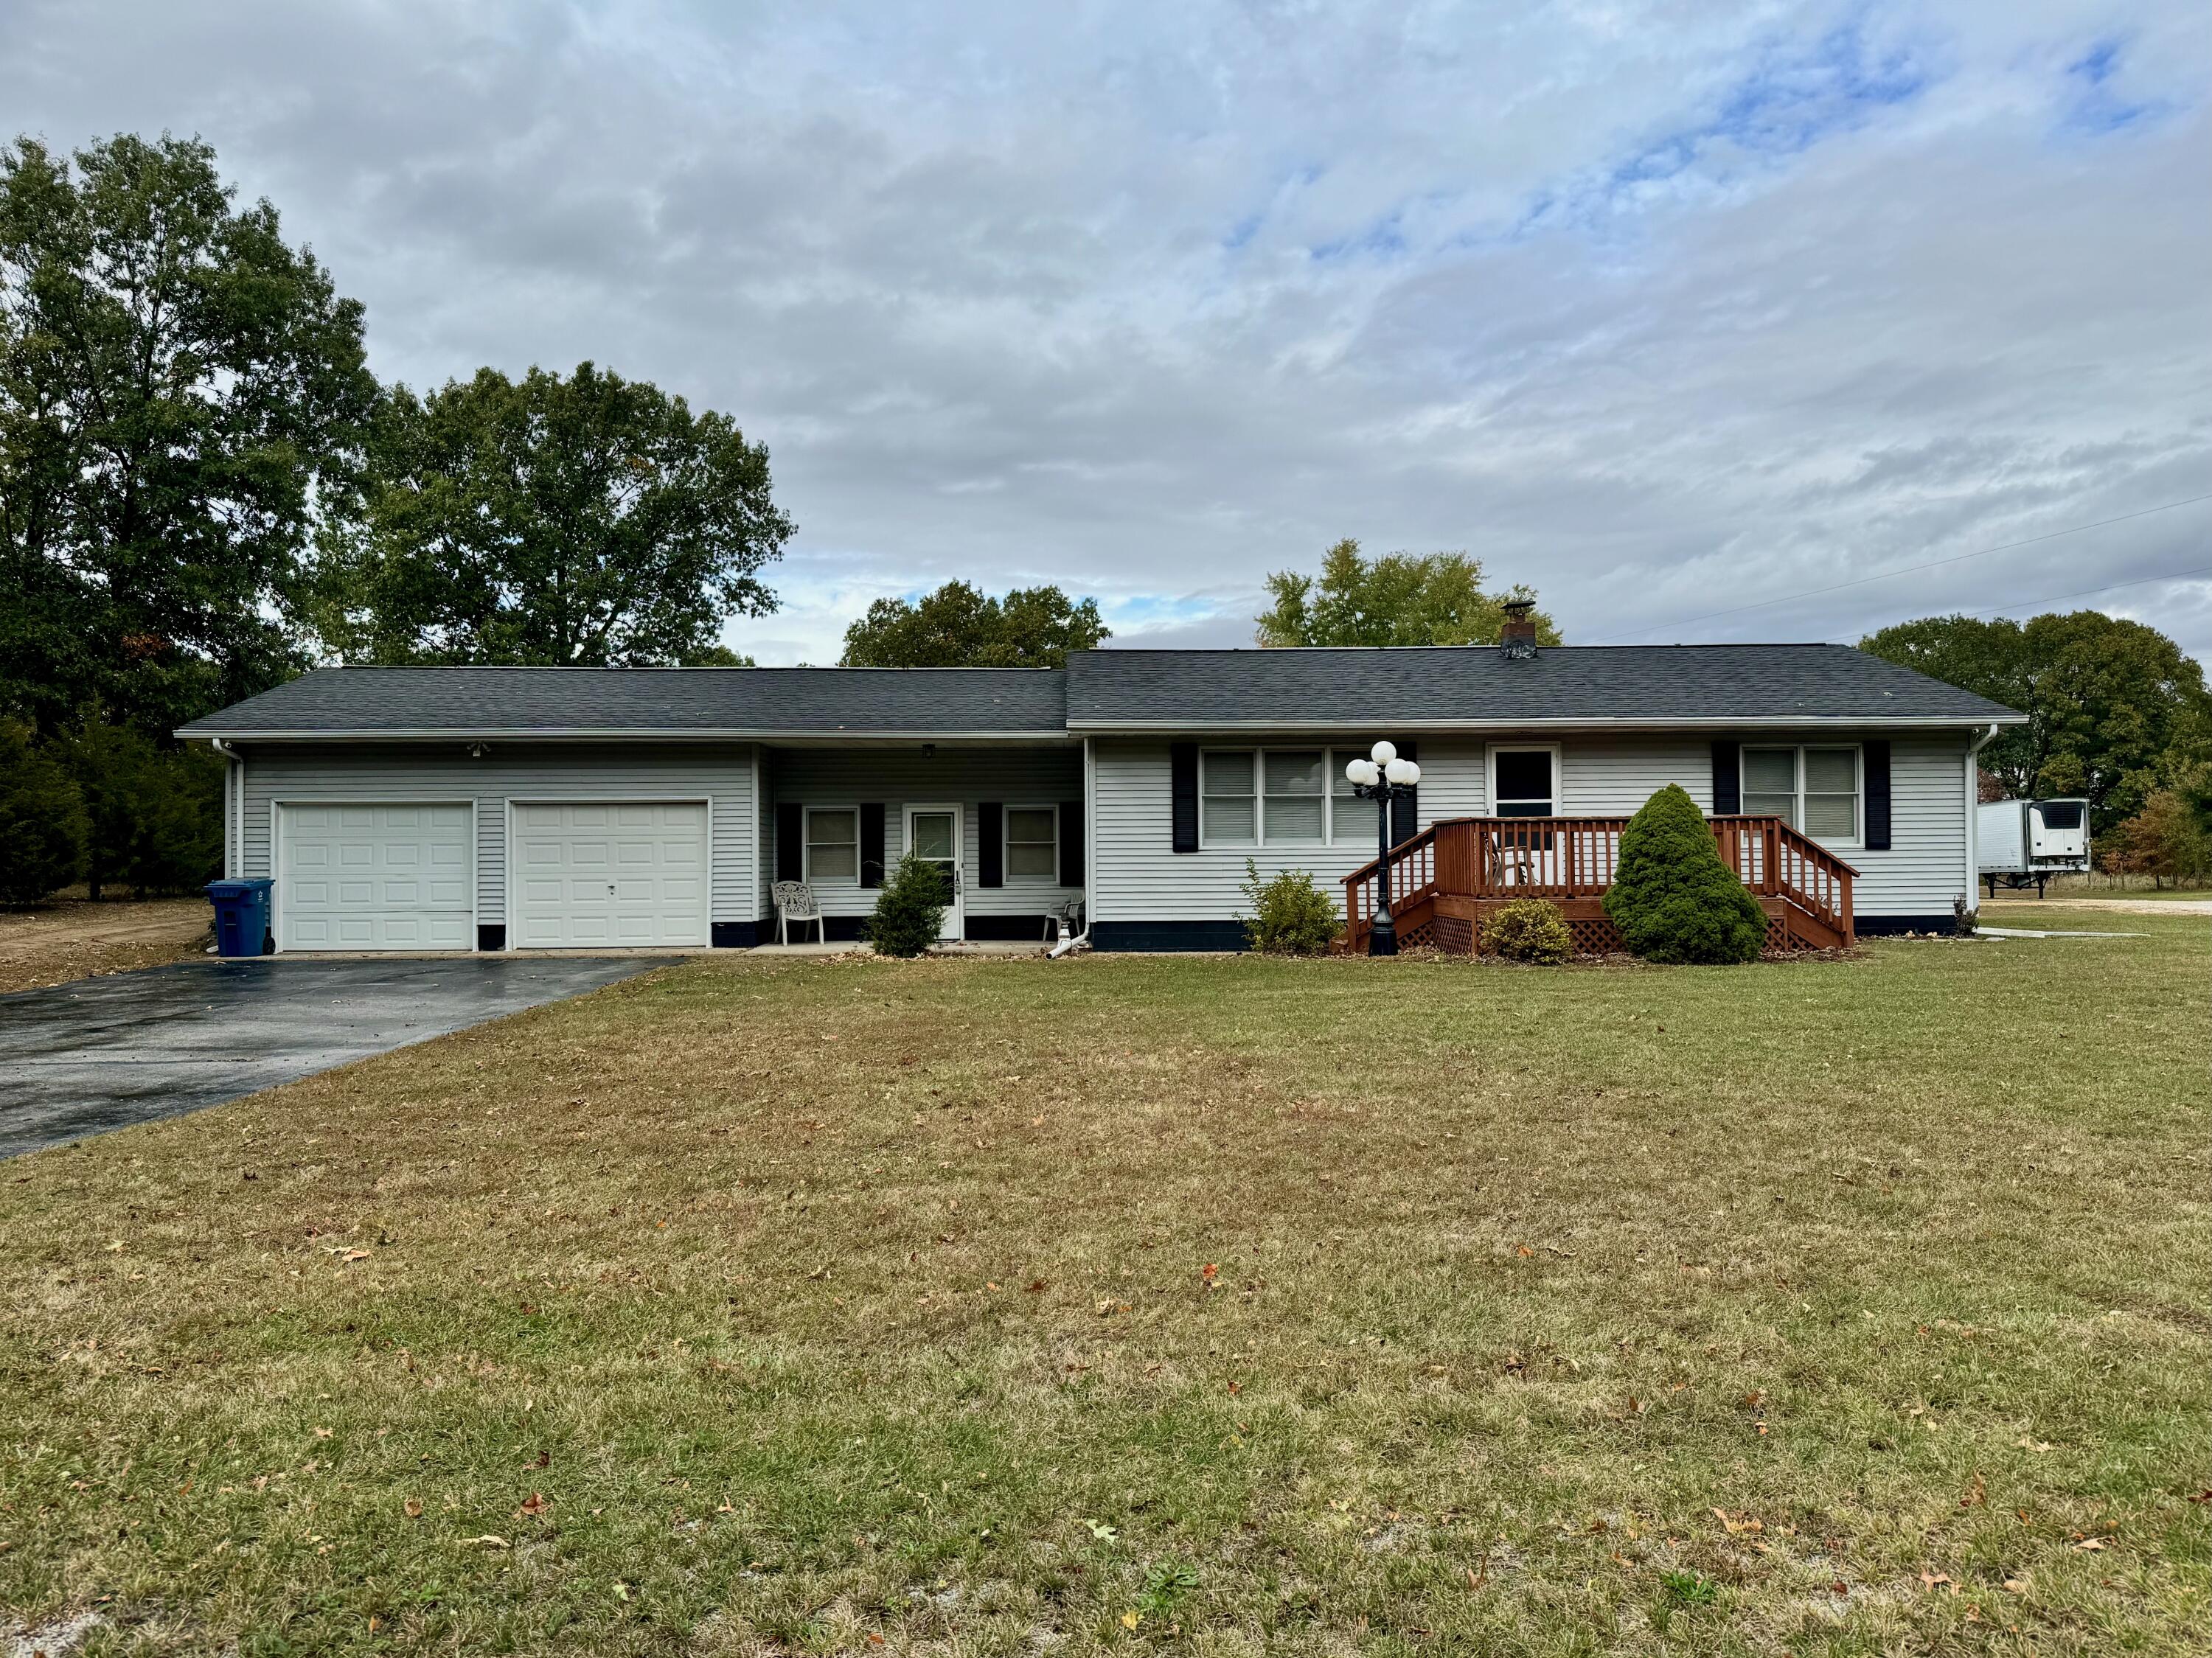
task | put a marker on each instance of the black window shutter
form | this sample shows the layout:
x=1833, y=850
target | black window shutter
x=1406, y=808
x=1182, y=786
x=871, y=843
x=1071, y=843
x=991, y=844
x=1728, y=779
x=1877, y=795
x=790, y=841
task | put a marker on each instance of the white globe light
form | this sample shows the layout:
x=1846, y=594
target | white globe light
x=1363, y=772
x=1383, y=752
x=1402, y=771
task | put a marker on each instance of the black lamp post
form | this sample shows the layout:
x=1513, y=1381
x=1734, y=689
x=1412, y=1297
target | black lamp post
x=1382, y=778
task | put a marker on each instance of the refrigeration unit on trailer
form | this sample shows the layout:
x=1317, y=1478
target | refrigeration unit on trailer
x=2024, y=840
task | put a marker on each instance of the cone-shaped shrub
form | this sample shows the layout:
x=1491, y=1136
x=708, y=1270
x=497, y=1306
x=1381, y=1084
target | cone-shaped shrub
x=910, y=909
x=1672, y=897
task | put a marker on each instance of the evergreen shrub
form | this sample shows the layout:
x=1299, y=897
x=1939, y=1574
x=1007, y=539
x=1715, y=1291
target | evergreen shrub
x=1289, y=915
x=1672, y=897
x=910, y=911
x=1528, y=930
x=42, y=823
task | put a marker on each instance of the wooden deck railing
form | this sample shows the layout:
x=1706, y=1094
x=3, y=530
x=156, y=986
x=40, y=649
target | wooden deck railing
x=1575, y=857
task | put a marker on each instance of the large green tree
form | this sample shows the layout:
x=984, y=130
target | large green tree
x=180, y=391
x=589, y=520
x=2116, y=709
x=960, y=627
x=1400, y=599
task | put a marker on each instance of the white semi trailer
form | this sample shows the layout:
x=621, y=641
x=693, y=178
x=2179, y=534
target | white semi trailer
x=2018, y=842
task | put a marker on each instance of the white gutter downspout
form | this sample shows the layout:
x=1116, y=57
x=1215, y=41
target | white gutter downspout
x=1973, y=815
x=234, y=807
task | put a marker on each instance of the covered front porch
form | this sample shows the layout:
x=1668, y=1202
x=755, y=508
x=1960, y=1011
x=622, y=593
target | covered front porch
x=1446, y=879
x=1004, y=820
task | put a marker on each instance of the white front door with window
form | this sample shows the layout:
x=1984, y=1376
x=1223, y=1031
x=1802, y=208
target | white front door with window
x=367, y=875
x=932, y=834
x=600, y=874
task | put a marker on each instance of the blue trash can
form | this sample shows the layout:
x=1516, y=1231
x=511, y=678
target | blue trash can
x=241, y=916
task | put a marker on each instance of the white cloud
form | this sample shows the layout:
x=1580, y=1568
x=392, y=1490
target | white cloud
x=1665, y=310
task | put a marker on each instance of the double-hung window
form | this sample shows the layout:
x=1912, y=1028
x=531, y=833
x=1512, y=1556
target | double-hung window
x=833, y=844
x=1033, y=843
x=1229, y=805
x=1295, y=805
x=1349, y=817
x=1279, y=797
x=1813, y=789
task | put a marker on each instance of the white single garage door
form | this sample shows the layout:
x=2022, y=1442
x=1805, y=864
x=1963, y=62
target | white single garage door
x=374, y=876
x=589, y=873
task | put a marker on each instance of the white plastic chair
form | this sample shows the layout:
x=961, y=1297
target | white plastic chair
x=795, y=901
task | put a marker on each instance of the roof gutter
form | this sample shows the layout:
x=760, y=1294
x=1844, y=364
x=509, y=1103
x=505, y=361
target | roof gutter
x=610, y=734
x=1588, y=723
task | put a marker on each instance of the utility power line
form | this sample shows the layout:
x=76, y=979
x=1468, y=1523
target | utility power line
x=2140, y=581
x=1909, y=569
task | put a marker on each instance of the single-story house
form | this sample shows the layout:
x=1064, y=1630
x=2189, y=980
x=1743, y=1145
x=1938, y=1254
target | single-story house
x=461, y=808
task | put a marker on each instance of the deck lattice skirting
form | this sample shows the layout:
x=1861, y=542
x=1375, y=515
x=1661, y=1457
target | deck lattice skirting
x=1444, y=880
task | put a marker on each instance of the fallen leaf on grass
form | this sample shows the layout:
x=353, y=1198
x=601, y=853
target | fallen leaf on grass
x=1131, y=1619
x=413, y=1508
x=351, y=1255
x=2090, y=1545
x=487, y=1541
x=1932, y=1581
x=532, y=1504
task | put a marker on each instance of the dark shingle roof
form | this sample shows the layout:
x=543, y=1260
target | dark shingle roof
x=679, y=702
x=1132, y=690
x=1624, y=684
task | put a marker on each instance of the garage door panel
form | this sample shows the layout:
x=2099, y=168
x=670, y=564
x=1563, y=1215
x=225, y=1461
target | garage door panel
x=628, y=873
x=375, y=876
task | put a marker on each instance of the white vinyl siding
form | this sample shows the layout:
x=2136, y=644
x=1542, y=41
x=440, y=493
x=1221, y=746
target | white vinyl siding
x=1136, y=877
x=722, y=775
x=1924, y=867
x=1010, y=776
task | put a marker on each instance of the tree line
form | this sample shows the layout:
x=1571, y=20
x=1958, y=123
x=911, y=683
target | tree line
x=204, y=490
x=2119, y=715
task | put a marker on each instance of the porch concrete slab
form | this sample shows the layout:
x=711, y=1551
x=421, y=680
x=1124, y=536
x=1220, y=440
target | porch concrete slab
x=102, y=1053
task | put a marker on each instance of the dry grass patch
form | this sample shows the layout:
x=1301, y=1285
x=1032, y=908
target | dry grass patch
x=1012, y=1307
x=70, y=938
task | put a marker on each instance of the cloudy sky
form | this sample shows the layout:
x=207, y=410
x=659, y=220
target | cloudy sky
x=1669, y=310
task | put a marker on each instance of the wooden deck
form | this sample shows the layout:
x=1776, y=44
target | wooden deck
x=1446, y=878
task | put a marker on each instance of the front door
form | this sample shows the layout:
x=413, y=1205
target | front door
x=932, y=834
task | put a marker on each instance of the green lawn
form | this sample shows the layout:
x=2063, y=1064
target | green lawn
x=1218, y=1305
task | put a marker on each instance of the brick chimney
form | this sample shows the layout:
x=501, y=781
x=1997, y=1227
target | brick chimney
x=1517, y=637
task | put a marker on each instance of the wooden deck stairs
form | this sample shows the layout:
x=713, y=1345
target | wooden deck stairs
x=1446, y=878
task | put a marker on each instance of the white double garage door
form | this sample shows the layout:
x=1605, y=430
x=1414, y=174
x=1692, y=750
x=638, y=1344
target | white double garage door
x=582, y=874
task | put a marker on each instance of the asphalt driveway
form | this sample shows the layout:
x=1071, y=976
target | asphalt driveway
x=100, y=1054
